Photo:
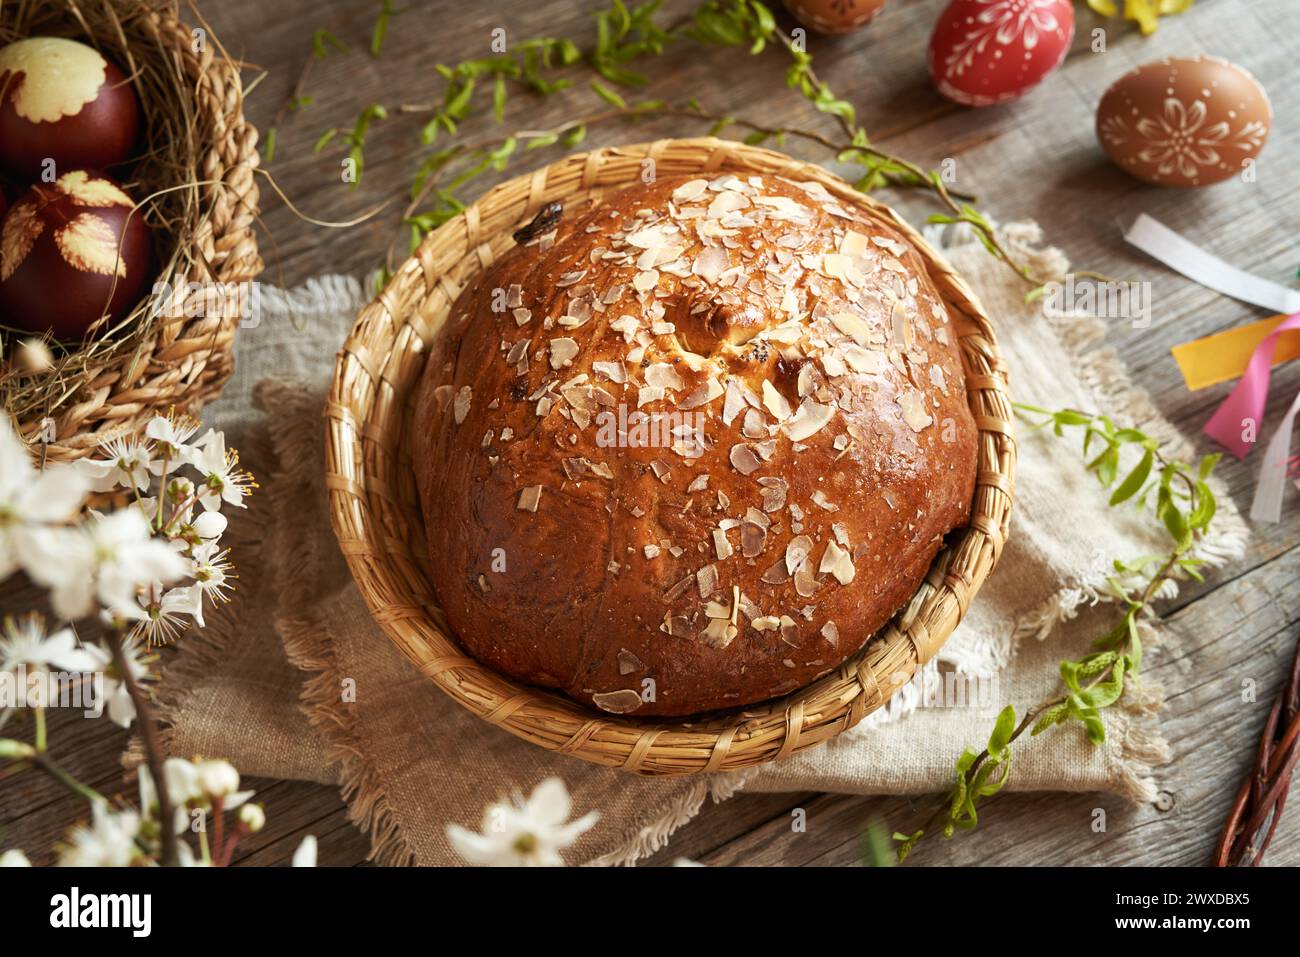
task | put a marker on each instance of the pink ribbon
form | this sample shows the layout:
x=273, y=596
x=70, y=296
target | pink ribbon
x=1243, y=411
x=1249, y=397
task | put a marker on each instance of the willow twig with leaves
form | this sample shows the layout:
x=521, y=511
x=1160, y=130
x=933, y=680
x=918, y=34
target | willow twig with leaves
x=1185, y=505
x=625, y=34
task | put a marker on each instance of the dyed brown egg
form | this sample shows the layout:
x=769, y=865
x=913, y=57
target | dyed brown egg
x=833, y=16
x=63, y=101
x=1184, y=121
x=72, y=251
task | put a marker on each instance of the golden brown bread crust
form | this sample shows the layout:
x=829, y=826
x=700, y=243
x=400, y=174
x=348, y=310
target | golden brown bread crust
x=814, y=445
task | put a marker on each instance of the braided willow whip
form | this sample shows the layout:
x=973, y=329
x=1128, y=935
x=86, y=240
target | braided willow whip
x=1263, y=794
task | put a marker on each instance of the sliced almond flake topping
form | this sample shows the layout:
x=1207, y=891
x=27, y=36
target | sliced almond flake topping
x=691, y=189
x=460, y=407
x=649, y=238
x=831, y=633
x=570, y=278
x=766, y=623
x=726, y=201
x=776, y=575
x=783, y=207
x=841, y=533
x=914, y=414
x=651, y=551
x=518, y=353
x=679, y=626
x=790, y=635
x=613, y=371
x=628, y=662
x=776, y=403
x=716, y=609
x=645, y=280
x=719, y=633
x=796, y=552
x=514, y=296
x=679, y=589
x=854, y=243
x=528, y=498
x=706, y=580
x=734, y=402
x=752, y=539
x=805, y=582
x=563, y=352
x=743, y=458
x=937, y=380
x=663, y=375
x=522, y=316
x=617, y=702
x=626, y=325
x=821, y=501
x=647, y=394
x=710, y=263
x=852, y=326
x=754, y=426
x=724, y=503
x=720, y=544
x=830, y=558
x=863, y=360
x=700, y=482
x=810, y=418
x=703, y=394
x=661, y=469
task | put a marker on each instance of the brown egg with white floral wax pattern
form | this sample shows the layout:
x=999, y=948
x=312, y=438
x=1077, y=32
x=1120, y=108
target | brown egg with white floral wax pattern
x=72, y=251
x=834, y=16
x=65, y=102
x=1184, y=121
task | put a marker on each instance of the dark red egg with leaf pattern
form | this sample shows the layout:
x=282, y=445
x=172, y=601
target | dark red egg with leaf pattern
x=71, y=252
x=65, y=102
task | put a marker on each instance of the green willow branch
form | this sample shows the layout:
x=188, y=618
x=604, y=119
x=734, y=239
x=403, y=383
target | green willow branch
x=1185, y=506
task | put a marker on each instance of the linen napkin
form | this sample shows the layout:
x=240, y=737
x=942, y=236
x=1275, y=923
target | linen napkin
x=295, y=680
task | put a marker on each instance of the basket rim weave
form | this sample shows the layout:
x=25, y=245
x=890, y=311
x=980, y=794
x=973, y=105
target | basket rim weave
x=182, y=362
x=375, y=516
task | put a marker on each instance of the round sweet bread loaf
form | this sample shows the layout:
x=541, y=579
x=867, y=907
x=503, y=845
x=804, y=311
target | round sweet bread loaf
x=688, y=447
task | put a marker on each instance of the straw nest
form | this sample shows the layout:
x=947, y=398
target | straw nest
x=375, y=512
x=194, y=179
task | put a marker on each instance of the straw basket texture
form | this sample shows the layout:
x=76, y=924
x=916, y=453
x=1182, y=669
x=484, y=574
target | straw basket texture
x=377, y=519
x=194, y=179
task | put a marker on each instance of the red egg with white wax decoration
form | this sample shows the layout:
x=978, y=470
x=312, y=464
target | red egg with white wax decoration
x=65, y=102
x=984, y=52
x=71, y=252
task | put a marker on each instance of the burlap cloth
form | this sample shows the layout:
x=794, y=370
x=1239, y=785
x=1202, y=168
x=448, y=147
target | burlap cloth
x=294, y=680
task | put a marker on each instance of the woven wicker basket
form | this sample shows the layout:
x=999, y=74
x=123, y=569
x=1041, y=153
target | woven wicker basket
x=377, y=519
x=198, y=161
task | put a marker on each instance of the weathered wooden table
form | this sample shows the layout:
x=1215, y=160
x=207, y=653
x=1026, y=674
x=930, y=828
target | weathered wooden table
x=1036, y=158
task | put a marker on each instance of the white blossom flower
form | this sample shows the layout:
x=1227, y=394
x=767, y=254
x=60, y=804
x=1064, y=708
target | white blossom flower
x=179, y=777
x=24, y=642
x=222, y=479
x=105, y=558
x=171, y=434
x=523, y=833
x=305, y=856
x=31, y=497
x=117, y=697
x=159, y=614
x=127, y=463
x=14, y=858
x=211, y=570
x=109, y=841
x=219, y=779
x=253, y=817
